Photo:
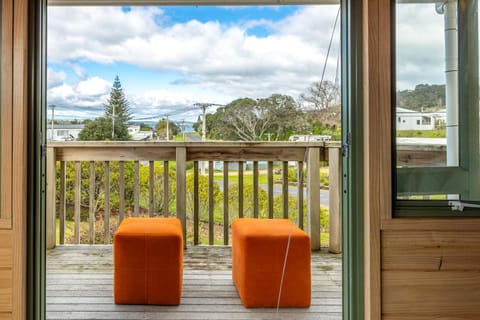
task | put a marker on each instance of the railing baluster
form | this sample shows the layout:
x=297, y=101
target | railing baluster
x=313, y=200
x=91, y=204
x=335, y=202
x=76, y=212
x=270, y=189
x=51, y=205
x=196, y=203
x=300, y=194
x=285, y=189
x=136, y=189
x=269, y=209
x=240, y=189
x=225, y=203
x=210, y=203
x=165, y=188
x=106, y=214
x=151, y=182
x=255, y=189
x=181, y=160
x=63, y=205
x=121, y=188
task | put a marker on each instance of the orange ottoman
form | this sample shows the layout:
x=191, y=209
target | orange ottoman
x=258, y=255
x=148, y=261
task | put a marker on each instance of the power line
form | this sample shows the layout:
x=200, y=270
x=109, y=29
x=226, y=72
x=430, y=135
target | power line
x=204, y=107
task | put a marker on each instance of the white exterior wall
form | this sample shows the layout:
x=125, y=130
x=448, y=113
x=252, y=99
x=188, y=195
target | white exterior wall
x=414, y=122
x=62, y=134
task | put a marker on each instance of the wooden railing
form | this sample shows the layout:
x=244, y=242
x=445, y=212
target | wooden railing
x=106, y=178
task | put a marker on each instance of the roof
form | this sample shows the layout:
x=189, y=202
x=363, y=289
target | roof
x=66, y=126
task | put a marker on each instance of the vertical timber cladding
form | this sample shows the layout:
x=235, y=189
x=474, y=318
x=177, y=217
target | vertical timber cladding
x=6, y=157
x=13, y=146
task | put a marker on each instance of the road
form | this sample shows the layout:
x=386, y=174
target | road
x=277, y=189
x=191, y=136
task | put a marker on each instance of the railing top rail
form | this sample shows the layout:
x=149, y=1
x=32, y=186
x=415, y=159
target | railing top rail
x=199, y=144
x=195, y=151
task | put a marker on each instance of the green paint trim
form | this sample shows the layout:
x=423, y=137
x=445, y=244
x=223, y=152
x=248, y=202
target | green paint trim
x=444, y=180
x=36, y=252
x=352, y=163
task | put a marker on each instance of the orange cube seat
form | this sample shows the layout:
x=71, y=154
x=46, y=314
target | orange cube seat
x=259, y=247
x=148, y=261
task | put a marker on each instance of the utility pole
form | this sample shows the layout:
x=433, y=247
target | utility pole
x=113, y=121
x=183, y=129
x=52, y=106
x=168, y=131
x=204, y=107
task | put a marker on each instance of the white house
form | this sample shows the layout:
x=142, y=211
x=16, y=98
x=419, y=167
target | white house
x=137, y=134
x=309, y=138
x=70, y=132
x=407, y=119
x=63, y=132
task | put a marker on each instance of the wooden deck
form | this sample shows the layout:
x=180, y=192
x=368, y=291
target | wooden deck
x=79, y=286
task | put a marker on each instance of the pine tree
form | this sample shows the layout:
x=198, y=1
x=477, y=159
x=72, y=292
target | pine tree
x=118, y=111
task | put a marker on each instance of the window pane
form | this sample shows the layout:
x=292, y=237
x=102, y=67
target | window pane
x=437, y=104
x=426, y=84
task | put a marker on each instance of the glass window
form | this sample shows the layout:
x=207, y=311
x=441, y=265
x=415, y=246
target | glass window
x=436, y=79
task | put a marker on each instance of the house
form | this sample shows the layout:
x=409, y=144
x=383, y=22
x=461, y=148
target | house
x=64, y=132
x=407, y=119
x=410, y=266
x=137, y=134
x=309, y=138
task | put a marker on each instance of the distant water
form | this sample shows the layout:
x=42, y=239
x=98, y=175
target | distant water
x=187, y=124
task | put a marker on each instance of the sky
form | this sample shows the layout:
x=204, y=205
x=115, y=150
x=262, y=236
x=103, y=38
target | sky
x=168, y=58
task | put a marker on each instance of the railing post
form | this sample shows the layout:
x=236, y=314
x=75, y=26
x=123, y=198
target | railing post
x=51, y=198
x=335, y=174
x=181, y=159
x=313, y=196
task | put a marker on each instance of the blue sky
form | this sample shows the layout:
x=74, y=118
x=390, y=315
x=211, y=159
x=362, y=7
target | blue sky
x=169, y=58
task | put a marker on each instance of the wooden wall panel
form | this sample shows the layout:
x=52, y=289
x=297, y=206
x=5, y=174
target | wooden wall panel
x=430, y=274
x=6, y=250
x=6, y=115
x=19, y=156
x=5, y=290
x=7, y=245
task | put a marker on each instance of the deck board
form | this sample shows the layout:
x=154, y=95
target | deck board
x=79, y=286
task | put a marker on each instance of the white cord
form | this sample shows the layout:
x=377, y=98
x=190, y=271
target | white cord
x=284, y=267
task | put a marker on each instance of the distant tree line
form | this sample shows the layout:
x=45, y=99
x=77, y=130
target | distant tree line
x=277, y=117
x=424, y=97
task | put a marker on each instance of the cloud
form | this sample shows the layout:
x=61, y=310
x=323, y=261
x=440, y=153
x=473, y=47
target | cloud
x=55, y=78
x=420, y=45
x=209, y=55
x=84, y=99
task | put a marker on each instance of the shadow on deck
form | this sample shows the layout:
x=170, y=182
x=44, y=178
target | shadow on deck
x=79, y=286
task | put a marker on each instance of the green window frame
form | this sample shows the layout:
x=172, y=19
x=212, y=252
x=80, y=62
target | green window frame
x=464, y=179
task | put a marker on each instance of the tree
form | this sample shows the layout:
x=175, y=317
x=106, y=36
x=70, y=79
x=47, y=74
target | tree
x=117, y=109
x=161, y=127
x=96, y=130
x=321, y=95
x=423, y=97
x=272, y=118
x=114, y=124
